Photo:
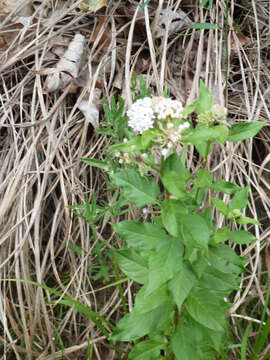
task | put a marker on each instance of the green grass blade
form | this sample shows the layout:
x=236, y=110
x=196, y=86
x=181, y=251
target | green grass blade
x=244, y=344
x=264, y=330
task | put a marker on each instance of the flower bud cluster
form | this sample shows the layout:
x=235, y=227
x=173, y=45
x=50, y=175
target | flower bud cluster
x=217, y=114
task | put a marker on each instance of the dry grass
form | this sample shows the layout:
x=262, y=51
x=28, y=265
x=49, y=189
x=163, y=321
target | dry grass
x=43, y=137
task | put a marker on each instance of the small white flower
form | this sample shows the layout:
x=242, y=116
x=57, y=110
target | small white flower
x=121, y=161
x=183, y=127
x=145, y=211
x=165, y=152
x=164, y=108
x=170, y=125
x=141, y=115
x=117, y=154
x=144, y=156
x=125, y=140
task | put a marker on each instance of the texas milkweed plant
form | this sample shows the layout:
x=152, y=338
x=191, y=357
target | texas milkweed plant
x=174, y=249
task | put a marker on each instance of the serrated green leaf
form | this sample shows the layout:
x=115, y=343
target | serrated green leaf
x=195, y=231
x=218, y=282
x=224, y=259
x=133, y=265
x=172, y=214
x=204, y=133
x=194, y=341
x=226, y=187
x=242, y=131
x=136, y=325
x=147, y=350
x=240, y=199
x=169, y=259
x=242, y=237
x=203, y=179
x=181, y=284
x=136, y=189
x=175, y=184
x=206, y=310
x=175, y=176
x=174, y=163
x=147, y=302
x=143, y=236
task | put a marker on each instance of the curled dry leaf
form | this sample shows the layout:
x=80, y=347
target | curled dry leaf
x=68, y=66
x=93, y=5
x=176, y=20
x=89, y=108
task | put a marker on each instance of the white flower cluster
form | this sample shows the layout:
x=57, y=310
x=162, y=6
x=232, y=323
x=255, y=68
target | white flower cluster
x=141, y=115
x=164, y=108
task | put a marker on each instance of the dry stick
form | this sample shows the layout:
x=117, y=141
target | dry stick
x=152, y=50
x=255, y=96
x=128, y=57
x=164, y=52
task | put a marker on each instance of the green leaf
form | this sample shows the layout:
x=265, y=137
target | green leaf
x=220, y=205
x=206, y=310
x=136, y=189
x=175, y=176
x=198, y=262
x=226, y=187
x=195, y=231
x=221, y=235
x=204, y=26
x=247, y=220
x=188, y=109
x=203, y=179
x=194, y=341
x=136, y=325
x=97, y=163
x=147, y=350
x=205, y=100
x=164, y=264
x=132, y=265
x=242, y=237
x=181, y=284
x=242, y=131
x=224, y=259
x=175, y=184
x=174, y=163
x=204, y=133
x=240, y=199
x=149, y=137
x=172, y=213
x=147, y=302
x=143, y=236
x=217, y=281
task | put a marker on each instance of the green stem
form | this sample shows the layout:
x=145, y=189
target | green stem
x=204, y=164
